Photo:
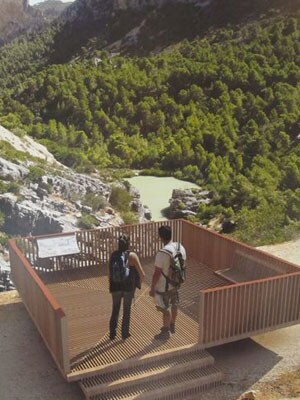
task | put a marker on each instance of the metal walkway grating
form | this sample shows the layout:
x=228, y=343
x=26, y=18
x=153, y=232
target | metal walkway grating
x=83, y=295
x=198, y=380
x=153, y=366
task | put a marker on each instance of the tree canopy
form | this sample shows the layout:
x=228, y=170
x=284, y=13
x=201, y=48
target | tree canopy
x=222, y=111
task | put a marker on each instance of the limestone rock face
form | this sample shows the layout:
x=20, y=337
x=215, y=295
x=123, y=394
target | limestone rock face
x=28, y=218
x=16, y=17
x=185, y=202
x=9, y=170
x=53, y=204
x=139, y=4
x=27, y=145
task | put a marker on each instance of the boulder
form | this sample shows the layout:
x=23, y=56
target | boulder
x=185, y=202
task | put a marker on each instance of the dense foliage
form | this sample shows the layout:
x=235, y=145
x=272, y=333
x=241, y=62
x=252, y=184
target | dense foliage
x=222, y=111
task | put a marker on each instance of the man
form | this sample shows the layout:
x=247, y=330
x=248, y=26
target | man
x=165, y=294
x=123, y=288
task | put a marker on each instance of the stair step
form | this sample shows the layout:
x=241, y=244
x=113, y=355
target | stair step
x=181, y=385
x=146, y=372
x=133, y=362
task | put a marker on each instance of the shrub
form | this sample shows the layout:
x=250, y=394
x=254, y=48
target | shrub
x=120, y=198
x=95, y=201
x=3, y=187
x=2, y=219
x=261, y=226
x=129, y=218
x=13, y=187
x=87, y=221
x=35, y=174
x=3, y=238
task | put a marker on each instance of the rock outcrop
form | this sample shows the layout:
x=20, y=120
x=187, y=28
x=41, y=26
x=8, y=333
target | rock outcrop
x=50, y=206
x=53, y=202
x=12, y=171
x=185, y=202
x=136, y=205
x=140, y=4
x=27, y=145
x=18, y=17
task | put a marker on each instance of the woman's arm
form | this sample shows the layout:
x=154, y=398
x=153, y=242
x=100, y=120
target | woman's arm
x=135, y=262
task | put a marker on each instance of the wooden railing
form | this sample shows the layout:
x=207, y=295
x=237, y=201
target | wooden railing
x=226, y=313
x=96, y=246
x=44, y=310
x=217, y=251
x=238, y=311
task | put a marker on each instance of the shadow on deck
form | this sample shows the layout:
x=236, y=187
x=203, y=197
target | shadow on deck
x=85, y=298
x=232, y=292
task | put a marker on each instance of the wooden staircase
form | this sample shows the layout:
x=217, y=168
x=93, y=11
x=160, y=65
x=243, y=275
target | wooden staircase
x=179, y=374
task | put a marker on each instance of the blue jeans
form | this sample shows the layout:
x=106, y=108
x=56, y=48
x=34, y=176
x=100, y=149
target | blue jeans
x=127, y=300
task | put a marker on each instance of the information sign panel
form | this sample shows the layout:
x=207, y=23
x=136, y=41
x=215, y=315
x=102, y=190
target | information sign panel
x=57, y=246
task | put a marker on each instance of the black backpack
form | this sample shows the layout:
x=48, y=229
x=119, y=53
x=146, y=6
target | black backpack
x=118, y=267
x=177, y=269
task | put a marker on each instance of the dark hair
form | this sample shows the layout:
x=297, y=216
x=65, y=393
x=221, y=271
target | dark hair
x=123, y=243
x=165, y=232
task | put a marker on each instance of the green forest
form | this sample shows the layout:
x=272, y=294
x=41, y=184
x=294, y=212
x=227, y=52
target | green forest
x=222, y=111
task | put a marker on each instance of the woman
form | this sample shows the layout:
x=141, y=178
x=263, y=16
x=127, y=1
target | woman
x=123, y=267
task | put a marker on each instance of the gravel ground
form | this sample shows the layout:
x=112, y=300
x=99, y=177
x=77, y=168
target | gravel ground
x=27, y=371
x=268, y=364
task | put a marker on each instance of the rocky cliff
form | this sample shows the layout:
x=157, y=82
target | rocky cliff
x=51, y=9
x=18, y=17
x=123, y=25
x=38, y=195
x=145, y=26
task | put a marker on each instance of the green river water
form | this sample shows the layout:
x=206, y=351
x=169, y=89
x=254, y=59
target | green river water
x=156, y=192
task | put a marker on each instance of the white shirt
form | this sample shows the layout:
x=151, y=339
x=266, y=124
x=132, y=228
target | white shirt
x=162, y=261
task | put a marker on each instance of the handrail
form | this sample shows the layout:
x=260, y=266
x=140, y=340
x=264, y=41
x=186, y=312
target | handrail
x=44, y=309
x=217, y=251
x=245, y=309
x=226, y=313
x=262, y=280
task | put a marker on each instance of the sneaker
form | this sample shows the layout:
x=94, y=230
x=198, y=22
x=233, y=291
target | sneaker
x=172, y=328
x=163, y=335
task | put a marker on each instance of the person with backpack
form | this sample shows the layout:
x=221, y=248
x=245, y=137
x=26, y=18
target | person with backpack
x=168, y=275
x=125, y=274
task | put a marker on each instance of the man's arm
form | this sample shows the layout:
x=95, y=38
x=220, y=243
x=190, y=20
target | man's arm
x=155, y=279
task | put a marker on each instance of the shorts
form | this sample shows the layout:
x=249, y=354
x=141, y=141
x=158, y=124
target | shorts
x=165, y=300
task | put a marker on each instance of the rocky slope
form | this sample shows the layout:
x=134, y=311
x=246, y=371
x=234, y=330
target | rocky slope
x=18, y=17
x=40, y=196
x=51, y=9
x=185, y=202
x=123, y=25
x=143, y=26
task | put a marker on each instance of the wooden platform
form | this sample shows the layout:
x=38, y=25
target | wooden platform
x=67, y=298
x=84, y=296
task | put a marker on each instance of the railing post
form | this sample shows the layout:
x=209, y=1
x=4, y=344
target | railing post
x=65, y=345
x=201, y=317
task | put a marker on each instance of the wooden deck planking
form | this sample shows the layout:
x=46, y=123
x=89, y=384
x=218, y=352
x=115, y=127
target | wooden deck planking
x=84, y=296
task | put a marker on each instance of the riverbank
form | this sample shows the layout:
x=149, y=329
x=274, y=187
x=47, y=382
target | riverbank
x=156, y=192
